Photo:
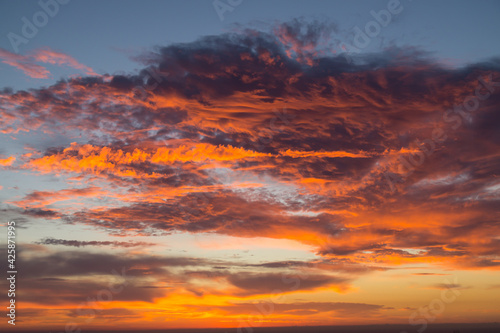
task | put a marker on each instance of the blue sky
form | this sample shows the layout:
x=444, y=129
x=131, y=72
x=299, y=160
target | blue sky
x=106, y=34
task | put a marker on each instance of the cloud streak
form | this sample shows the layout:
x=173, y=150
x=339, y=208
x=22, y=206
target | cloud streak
x=27, y=63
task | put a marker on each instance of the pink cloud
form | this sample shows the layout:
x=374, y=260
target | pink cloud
x=27, y=63
x=49, y=56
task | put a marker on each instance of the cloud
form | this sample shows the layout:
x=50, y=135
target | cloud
x=27, y=63
x=69, y=292
x=42, y=213
x=76, y=243
x=7, y=161
x=301, y=308
x=305, y=39
x=241, y=134
x=445, y=286
x=252, y=284
x=255, y=134
x=92, y=159
x=78, y=263
x=74, y=276
x=38, y=199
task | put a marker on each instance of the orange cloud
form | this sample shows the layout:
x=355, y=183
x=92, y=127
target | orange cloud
x=93, y=159
x=7, y=161
x=320, y=154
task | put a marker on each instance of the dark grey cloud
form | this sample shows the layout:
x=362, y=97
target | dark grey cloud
x=76, y=243
x=281, y=283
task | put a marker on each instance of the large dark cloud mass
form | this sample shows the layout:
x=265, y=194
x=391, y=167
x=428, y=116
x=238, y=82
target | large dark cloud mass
x=244, y=134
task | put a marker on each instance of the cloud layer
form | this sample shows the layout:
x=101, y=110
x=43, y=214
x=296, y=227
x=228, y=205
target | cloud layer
x=387, y=160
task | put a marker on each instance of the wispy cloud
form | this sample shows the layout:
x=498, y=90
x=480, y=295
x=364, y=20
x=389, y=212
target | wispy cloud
x=27, y=63
x=24, y=63
x=76, y=243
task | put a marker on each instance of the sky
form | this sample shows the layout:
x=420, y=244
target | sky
x=228, y=163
